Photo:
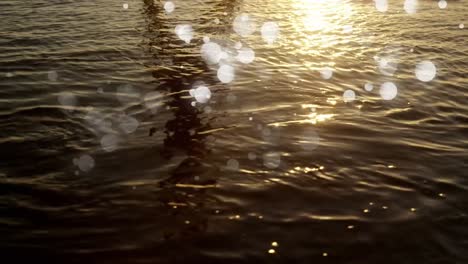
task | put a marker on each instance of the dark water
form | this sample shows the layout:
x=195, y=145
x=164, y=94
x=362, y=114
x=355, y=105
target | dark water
x=276, y=155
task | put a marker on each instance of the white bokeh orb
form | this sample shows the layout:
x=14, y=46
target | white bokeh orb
x=52, y=75
x=442, y=4
x=349, y=96
x=387, y=65
x=85, y=163
x=184, y=32
x=109, y=142
x=244, y=25
x=245, y=55
x=309, y=139
x=67, y=99
x=225, y=73
x=169, y=6
x=425, y=71
x=270, y=32
x=211, y=52
x=381, y=5
x=202, y=94
x=388, y=91
x=410, y=6
x=128, y=124
x=368, y=87
x=232, y=164
x=326, y=73
x=272, y=160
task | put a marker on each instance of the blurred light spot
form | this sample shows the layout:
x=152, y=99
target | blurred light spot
x=246, y=55
x=349, y=96
x=226, y=73
x=85, y=163
x=52, y=75
x=244, y=25
x=326, y=73
x=270, y=32
x=381, y=5
x=347, y=29
x=388, y=91
x=410, y=6
x=184, y=32
x=128, y=124
x=211, y=52
x=387, y=65
x=425, y=71
x=169, y=7
x=67, y=99
x=232, y=164
x=309, y=139
x=272, y=160
x=201, y=93
x=442, y=4
x=109, y=142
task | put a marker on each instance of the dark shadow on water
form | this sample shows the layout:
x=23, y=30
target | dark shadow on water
x=184, y=194
x=182, y=132
x=104, y=220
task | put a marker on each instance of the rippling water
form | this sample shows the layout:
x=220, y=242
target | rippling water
x=276, y=155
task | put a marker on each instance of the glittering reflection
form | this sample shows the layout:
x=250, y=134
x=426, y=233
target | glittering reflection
x=312, y=118
x=315, y=19
x=312, y=12
x=304, y=145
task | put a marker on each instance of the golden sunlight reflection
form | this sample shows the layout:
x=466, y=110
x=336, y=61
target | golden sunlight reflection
x=312, y=118
x=312, y=14
x=322, y=14
x=315, y=118
x=319, y=22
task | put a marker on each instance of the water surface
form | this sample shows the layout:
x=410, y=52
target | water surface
x=276, y=155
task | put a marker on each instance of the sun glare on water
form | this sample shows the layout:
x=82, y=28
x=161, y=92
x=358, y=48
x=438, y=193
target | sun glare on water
x=322, y=14
x=318, y=26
